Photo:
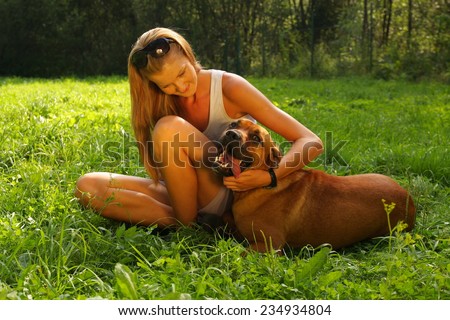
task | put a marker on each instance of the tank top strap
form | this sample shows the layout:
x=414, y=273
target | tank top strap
x=218, y=117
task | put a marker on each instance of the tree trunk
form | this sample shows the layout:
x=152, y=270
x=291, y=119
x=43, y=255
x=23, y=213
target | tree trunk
x=311, y=67
x=387, y=17
x=364, y=35
x=410, y=24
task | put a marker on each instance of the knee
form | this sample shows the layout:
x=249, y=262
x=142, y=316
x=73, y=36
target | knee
x=86, y=186
x=167, y=127
x=169, y=131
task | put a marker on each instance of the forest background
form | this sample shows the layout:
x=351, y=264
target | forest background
x=388, y=39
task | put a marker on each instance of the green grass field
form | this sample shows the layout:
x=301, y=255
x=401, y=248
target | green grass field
x=55, y=130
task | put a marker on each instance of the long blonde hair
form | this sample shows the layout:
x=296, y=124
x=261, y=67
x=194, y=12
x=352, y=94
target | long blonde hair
x=148, y=102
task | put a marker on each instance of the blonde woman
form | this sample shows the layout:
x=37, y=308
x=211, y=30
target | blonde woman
x=178, y=110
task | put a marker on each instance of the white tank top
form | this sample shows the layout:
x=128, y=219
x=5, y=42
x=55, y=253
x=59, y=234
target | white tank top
x=218, y=117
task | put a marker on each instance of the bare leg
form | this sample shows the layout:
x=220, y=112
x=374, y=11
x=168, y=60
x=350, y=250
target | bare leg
x=125, y=198
x=180, y=150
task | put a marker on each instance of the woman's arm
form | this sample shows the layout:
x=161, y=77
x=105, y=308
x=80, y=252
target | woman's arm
x=240, y=98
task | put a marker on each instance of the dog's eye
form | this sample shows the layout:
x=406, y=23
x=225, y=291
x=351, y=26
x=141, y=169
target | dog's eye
x=233, y=125
x=256, y=138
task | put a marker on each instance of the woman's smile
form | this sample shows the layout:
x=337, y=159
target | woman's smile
x=185, y=89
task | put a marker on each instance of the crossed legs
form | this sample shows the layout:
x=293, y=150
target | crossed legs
x=182, y=153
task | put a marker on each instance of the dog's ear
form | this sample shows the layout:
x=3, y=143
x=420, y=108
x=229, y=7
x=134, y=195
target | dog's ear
x=274, y=155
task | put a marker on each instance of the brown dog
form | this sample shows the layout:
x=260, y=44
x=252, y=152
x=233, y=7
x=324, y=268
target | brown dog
x=308, y=206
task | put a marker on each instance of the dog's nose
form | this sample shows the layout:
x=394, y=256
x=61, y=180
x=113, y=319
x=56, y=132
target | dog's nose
x=233, y=134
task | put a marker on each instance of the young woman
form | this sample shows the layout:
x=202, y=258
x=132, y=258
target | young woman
x=178, y=109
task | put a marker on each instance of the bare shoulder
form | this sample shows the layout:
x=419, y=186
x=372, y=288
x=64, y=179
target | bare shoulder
x=230, y=78
x=240, y=91
x=233, y=83
x=241, y=97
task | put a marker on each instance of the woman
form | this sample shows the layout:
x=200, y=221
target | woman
x=178, y=109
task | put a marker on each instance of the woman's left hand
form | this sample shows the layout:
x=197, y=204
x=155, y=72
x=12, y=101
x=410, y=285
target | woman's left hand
x=248, y=180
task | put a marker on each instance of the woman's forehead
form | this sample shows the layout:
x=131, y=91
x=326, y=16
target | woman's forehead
x=169, y=71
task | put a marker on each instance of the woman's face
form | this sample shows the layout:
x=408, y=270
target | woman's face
x=177, y=77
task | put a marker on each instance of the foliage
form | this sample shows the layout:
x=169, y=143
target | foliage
x=296, y=38
x=55, y=130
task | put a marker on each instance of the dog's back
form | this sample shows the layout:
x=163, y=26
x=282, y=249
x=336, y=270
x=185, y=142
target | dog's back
x=313, y=207
x=344, y=210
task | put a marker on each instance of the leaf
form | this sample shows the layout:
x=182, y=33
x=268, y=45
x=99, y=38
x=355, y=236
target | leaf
x=177, y=296
x=126, y=282
x=385, y=291
x=330, y=278
x=120, y=231
x=314, y=264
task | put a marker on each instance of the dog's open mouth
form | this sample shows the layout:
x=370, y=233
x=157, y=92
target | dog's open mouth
x=227, y=165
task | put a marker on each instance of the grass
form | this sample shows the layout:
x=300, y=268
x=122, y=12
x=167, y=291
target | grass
x=55, y=130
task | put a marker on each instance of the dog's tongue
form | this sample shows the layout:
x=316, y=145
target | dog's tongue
x=235, y=165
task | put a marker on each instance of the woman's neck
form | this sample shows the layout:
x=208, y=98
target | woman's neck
x=195, y=109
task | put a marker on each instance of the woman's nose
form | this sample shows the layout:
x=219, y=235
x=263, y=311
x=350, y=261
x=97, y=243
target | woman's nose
x=179, y=85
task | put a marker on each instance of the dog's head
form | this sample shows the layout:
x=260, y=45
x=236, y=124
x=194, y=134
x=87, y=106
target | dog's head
x=245, y=145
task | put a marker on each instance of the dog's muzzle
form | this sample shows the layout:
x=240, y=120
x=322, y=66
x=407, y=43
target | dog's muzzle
x=232, y=159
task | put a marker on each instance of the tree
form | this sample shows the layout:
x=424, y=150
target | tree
x=407, y=38
x=387, y=17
